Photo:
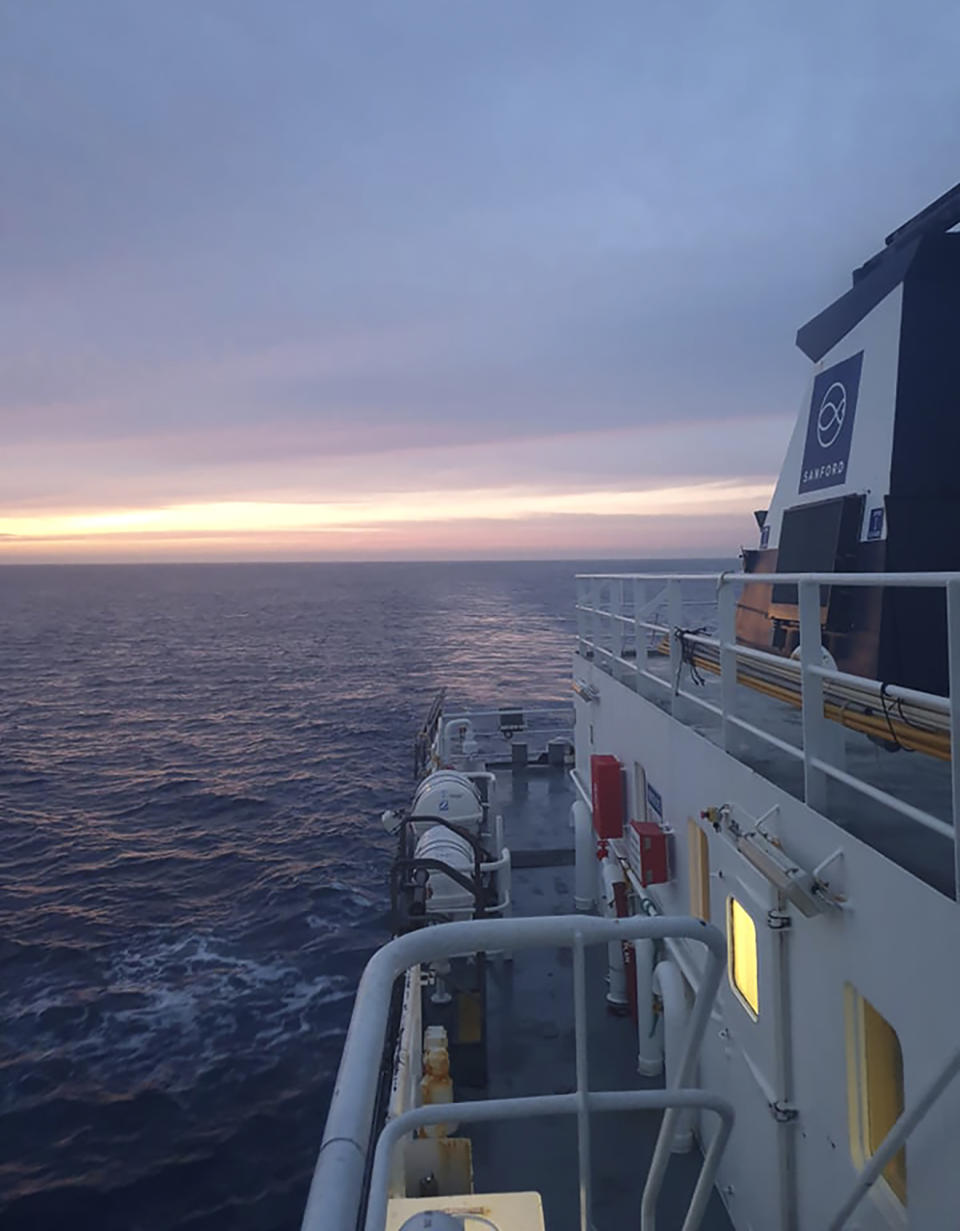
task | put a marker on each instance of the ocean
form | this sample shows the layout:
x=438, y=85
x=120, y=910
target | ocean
x=193, y=760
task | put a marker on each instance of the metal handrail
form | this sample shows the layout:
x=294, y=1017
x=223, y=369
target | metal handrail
x=552, y=1105
x=811, y=671
x=470, y=715
x=912, y=580
x=895, y=1140
x=337, y=1187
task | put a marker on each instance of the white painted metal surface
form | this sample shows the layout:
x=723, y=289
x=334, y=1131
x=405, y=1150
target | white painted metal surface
x=790, y=1163
x=818, y=738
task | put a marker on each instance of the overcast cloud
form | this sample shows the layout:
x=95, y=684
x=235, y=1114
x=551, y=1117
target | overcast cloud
x=300, y=251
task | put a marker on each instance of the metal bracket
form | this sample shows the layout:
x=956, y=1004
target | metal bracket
x=778, y=921
x=783, y=1113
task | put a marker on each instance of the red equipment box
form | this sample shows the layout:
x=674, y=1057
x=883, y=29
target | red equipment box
x=647, y=852
x=606, y=782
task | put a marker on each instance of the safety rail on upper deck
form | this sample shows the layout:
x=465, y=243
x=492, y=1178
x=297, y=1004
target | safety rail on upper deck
x=608, y=614
x=337, y=1191
x=492, y=734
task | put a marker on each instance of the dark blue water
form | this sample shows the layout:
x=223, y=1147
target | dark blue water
x=192, y=763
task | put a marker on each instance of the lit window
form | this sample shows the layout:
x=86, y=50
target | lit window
x=874, y=1086
x=699, y=850
x=742, y=956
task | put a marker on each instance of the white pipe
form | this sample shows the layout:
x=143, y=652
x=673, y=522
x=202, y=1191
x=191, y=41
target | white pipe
x=504, y=903
x=585, y=857
x=617, y=999
x=668, y=983
x=649, y=1034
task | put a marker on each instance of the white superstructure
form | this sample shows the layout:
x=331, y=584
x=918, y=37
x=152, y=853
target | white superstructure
x=838, y=1012
x=722, y=909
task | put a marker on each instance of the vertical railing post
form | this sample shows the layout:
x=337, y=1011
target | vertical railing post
x=811, y=692
x=727, y=629
x=595, y=626
x=674, y=622
x=581, y=618
x=603, y=604
x=639, y=633
x=616, y=636
x=953, y=659
x=583, y=1083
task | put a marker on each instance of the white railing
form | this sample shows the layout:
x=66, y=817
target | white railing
x=602, y=626
x=538, y=724
x=336, y=1192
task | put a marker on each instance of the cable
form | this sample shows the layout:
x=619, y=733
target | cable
x=688, y=655
x=886, y=714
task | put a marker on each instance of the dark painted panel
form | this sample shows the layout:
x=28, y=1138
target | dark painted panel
x=925, y=462
x=818, y=538
x=923, y=535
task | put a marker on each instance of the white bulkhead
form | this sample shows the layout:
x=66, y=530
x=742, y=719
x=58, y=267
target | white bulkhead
x=782, y=1045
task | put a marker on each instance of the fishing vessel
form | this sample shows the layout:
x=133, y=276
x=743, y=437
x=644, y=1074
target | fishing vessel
x=682, y=955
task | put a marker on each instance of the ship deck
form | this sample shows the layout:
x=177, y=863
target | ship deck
x=531, y=1044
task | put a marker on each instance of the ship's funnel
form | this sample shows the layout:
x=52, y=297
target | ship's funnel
x=871, y=479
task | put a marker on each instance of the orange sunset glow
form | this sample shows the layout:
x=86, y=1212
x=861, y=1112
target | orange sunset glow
x=504, y=518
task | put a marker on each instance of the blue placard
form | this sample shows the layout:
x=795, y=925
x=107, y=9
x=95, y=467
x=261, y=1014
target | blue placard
x=875, y=525
x=654, y=800
x=830, y=425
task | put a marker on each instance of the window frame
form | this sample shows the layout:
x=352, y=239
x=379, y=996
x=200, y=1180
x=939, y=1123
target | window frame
x=893, y=1183
x=733, y=904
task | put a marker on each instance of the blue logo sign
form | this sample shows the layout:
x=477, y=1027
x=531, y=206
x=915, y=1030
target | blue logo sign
x=875, y=525
x=830, y=425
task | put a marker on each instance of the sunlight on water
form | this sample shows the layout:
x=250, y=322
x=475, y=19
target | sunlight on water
x=193, y=871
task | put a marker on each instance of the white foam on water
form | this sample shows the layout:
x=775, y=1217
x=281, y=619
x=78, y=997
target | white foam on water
x=193, y=1004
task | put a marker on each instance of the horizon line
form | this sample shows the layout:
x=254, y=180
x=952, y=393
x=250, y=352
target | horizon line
x=362, y=562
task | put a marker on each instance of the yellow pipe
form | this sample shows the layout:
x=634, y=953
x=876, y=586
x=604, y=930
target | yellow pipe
x=931, y=743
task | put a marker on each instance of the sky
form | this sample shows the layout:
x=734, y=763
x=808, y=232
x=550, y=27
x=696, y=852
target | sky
x=434, y=278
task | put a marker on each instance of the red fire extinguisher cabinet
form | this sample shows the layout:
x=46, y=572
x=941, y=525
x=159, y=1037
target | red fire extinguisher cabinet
x=606, y=782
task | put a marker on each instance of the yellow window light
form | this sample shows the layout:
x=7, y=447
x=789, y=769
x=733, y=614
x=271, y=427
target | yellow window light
x=874, y=1087
x=742, y=956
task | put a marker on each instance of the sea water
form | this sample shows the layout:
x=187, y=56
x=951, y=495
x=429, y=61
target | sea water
x=193, y=760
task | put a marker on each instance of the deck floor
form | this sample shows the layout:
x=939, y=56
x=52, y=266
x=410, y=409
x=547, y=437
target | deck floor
x=531, y=1047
